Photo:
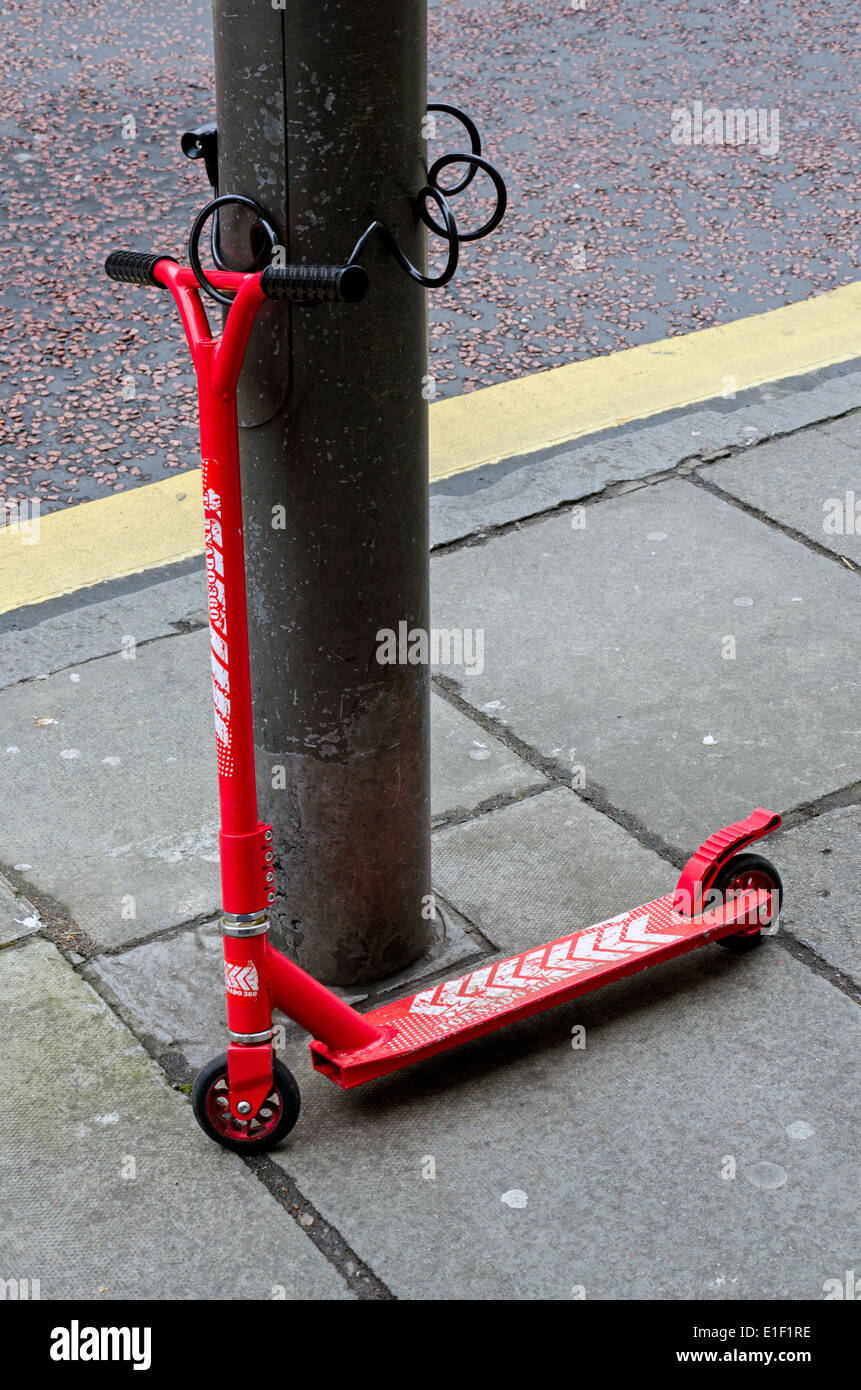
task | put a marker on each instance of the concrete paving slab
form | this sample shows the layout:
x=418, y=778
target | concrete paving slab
x=820, y=864
x=523, y=1168
x=609, y=640
x=18, y=917
x=111, y=1190
x=539, y=867
x=116, y=795
x=544, y=867
x=468, y=766
x=171, y=990
x=476, y=501
x=95, y=629
x=845, y=431
x=803, y=481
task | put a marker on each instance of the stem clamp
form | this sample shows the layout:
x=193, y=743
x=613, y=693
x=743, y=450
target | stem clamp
x=248, y=877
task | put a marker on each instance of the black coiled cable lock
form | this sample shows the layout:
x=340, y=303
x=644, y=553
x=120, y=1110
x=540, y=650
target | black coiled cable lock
x=319, y=286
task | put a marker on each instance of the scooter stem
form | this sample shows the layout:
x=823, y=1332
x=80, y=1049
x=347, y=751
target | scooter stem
x=257, y=975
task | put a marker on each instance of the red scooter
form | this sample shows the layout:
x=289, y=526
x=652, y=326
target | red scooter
x=246, y=1099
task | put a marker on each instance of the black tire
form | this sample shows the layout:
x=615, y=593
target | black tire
x=741, y=866
x=265, y=1129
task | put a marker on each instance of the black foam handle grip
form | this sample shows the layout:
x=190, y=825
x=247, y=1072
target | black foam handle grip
x=313, y=284
x=134, y=267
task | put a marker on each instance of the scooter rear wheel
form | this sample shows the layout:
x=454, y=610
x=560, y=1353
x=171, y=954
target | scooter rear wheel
x=747, y=871
x=261, y=1132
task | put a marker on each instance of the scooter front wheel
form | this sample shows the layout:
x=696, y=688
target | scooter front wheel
x=273, y=1121
x=746, y=872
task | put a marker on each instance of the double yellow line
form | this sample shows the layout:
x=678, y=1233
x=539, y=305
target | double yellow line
x=162, y=523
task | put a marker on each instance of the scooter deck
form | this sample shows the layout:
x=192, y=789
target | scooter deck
x=456, y=1011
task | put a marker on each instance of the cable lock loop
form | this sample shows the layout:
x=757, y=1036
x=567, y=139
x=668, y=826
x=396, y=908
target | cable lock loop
x=261, y=259
x=440, y=195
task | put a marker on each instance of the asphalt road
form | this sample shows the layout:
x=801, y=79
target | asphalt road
x=616, y=234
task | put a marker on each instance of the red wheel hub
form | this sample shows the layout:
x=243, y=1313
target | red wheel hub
x=255, y=1127
x=750, y=881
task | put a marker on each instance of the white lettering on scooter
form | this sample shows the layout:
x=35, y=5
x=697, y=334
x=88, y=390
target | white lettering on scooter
x=217, y=621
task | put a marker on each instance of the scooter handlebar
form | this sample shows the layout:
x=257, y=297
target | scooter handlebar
x=134, y=267
x=298, y=284
x=312, y=284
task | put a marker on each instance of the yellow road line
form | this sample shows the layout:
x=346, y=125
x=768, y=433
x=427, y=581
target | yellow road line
x=161, y=523
x=155, y=524
x=536, y=412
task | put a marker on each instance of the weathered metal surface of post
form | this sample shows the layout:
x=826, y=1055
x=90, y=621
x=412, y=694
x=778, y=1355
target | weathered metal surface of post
x=320, y=108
